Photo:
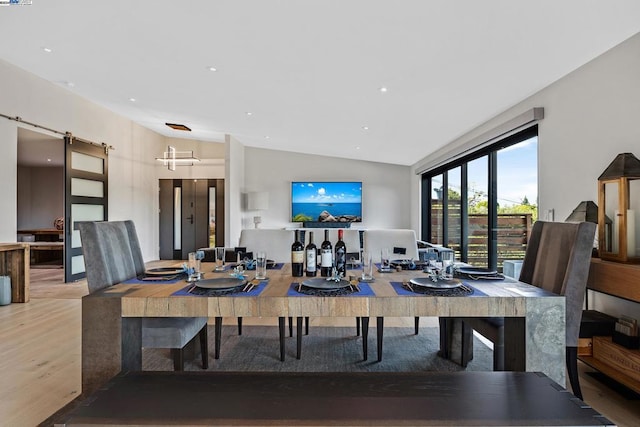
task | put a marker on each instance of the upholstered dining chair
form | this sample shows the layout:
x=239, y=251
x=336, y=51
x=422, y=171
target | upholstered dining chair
x=403, y=244
x=112, y=255
x=557, y=259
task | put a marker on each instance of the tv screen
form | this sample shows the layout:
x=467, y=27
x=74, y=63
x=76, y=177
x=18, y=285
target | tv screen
x=326, y=201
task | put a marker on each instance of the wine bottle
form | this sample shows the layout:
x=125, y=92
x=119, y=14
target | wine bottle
x=341, y=255
x=326, y=256
x=297, y=256
x=312, y=257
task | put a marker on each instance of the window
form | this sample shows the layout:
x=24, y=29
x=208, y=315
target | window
x=490, y=203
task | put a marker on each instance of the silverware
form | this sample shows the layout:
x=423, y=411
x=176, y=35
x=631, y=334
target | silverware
x=191, y=288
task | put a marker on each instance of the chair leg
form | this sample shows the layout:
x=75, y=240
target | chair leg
x=178, y=359
x=357, y=326
x=281, y=327
x=466, y=347
x=306, y=325
x=298, y=337
x=204, y=347
x=239, y=325
x=365, y=337
x=290, y=326
x=216, y=337
x=572, y=368
x=416, y=321
x=379, y=332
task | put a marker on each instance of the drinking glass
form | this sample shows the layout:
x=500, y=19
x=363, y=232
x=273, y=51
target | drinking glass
x=219, y=258
x=194, y=266
x=385, y=255
x=367, y=265
x=447, y=258
x=261, y=265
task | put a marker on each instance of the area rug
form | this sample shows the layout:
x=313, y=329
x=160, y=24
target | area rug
x=325, y=349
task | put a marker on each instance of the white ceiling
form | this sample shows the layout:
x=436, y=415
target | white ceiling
x=309, y=71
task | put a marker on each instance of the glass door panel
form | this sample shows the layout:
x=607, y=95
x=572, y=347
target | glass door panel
x=437, y=216
x=478, y=208
x=454, y=224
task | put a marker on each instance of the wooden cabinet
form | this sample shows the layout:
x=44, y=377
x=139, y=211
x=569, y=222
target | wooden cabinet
x=14, y=262
x=622, y=281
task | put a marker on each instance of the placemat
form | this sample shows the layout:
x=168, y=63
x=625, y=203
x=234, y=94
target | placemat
x=155, y=280
x=365, y=291
x=401, y=290
x=237, y=292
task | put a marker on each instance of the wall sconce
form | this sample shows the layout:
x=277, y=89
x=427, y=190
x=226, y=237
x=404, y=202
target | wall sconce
x=257, y=201
x=619, y=198
x=172, y=158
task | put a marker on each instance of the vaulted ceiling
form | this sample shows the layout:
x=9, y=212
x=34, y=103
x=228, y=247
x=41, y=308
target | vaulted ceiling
x=387, y=81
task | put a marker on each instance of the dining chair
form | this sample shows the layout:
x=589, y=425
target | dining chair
x=112, y=255
x=557, y=259
x=404, y=244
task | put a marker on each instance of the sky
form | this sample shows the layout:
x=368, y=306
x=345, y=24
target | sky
x=326, y=192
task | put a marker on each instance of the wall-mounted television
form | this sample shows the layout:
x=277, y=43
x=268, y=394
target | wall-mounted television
x=326, y=201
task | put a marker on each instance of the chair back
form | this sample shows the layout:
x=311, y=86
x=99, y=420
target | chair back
x=111, y=253
x=557, y=259
x=375, y=240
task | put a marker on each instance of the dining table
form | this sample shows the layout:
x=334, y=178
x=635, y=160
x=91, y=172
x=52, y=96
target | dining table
x=112, y=317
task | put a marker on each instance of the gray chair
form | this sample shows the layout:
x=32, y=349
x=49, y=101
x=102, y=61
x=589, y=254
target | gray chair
x=557, y=259
x=112, y=255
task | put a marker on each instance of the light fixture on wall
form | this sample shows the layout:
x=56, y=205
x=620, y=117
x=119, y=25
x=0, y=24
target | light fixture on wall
x=257, y=201
x=172, y=158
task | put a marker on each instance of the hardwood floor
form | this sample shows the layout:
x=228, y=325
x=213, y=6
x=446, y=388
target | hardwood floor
x=40, y=355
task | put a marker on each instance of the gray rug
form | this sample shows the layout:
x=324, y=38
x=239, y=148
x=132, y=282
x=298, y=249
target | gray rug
x=332, y=349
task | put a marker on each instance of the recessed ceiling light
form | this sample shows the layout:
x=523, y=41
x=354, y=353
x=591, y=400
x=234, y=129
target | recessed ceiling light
x=267, y=137
x=212, y=69
x=178, y=126
x=365, y=127
x=357, y=148
x=383, y=89
x=249, y=113
x=46, y=49
x=70, y=84
x=132, y=99
x=48, y=160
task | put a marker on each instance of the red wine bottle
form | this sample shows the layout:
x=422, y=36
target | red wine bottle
x=297, y=256
x=341, y=255
x=326, y=256
x=311, y=252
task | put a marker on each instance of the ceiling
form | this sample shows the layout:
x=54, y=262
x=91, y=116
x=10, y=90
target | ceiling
x=305, y=75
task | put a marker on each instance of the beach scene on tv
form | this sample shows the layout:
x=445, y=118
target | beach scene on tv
x=326, y=201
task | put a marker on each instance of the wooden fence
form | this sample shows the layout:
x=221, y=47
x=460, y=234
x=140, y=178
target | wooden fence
x=513, y=234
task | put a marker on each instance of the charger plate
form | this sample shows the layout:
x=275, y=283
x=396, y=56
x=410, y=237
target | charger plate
x=426, y=282
x=477, y=271
x=327, y=285
x=220, y=283
x=164, y=271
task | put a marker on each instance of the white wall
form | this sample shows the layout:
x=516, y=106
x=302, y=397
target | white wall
x=8, y=176
x=40, y=196
x=234, y=184
x=591, y=115
x=385, y=187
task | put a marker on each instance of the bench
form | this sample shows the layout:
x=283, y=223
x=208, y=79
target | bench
x=337, y=398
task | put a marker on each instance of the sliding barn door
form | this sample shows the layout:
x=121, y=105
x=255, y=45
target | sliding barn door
x=86, y=197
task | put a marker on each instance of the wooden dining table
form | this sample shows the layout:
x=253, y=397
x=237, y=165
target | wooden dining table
x=112, y=317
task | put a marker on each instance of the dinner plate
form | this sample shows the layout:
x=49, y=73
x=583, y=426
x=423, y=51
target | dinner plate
x=440, y=284
x=220, y=283
x=406, y=263
x=477, y=271
x=164, y=271
x=324, y=284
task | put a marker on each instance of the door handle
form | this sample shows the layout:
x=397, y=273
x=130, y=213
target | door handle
x=190, y=217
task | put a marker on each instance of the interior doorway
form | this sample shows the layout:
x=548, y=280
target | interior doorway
x=191, y=216
x=40, y=197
